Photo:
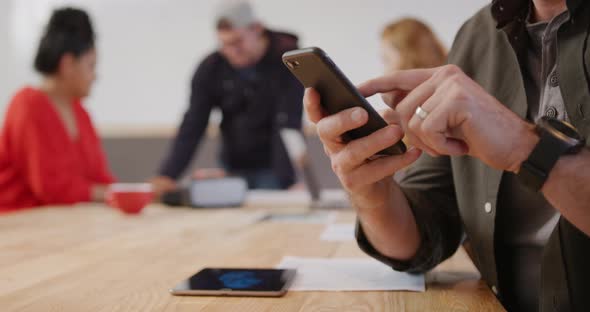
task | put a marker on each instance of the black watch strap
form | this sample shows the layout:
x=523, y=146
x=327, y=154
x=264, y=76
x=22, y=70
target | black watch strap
x=535, y=170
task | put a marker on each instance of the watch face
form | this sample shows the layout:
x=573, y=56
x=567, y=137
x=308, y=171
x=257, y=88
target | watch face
x=562, y=127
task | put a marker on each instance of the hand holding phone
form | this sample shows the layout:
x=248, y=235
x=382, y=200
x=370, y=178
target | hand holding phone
x=314, y=69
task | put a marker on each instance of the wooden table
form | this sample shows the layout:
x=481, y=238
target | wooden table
x=93, y=258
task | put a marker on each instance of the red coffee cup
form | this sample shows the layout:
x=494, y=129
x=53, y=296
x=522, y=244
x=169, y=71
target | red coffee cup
x=130, y=198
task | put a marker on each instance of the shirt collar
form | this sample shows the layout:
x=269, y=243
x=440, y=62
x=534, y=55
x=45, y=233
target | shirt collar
x=507, y=11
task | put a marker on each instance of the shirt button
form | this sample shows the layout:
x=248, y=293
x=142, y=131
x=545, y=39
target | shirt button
x=495, y=290
x=487, y=207
x=551, y=111
x=553, y=80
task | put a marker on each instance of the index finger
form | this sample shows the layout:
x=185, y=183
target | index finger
x=404, y=80
x=311, y=102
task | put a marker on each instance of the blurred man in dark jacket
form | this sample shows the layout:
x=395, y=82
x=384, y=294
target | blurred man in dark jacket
x=257, y=97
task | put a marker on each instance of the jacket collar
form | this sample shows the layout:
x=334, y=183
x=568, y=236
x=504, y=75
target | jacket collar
x=507, y=11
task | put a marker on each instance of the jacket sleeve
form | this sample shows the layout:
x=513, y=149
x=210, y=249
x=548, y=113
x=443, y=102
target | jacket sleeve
x=193, y=126
x=293, y=102
x=428, y=187
x=289, y=116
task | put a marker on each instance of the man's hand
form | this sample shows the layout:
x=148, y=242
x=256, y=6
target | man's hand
x=368, y=182
x=209, y=173
x=462, y=118
x=383, y=211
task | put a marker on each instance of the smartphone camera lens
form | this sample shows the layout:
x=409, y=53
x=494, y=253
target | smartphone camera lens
x=293, y=64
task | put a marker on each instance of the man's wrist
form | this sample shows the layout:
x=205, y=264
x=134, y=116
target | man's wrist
x=527, y=139
x=377, y=199
x=389, y=227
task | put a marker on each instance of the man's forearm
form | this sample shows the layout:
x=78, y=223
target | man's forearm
x=568, y=189
x=184, y=146
x=391, y=229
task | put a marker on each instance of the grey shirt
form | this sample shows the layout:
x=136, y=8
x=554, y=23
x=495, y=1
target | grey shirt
x=524, y=219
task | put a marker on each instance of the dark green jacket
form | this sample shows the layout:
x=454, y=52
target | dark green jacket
x=448, y=195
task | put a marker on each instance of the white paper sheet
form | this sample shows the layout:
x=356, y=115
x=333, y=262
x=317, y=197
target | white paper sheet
x=277, y=198
x=348, y=274
x=315, y=217
x=343, y=232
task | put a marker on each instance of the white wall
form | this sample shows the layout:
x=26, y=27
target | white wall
x=150, y=48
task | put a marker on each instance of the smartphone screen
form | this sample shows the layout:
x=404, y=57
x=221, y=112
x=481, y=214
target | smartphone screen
x=236, y=282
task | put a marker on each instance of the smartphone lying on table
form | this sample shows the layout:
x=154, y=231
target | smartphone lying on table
x=314, y=69
x=236, y=282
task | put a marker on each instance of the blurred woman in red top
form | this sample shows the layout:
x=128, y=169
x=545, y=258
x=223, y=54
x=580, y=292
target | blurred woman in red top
x=49, y=151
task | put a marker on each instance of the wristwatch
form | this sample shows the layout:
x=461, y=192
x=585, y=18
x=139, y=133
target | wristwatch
x=557, y=138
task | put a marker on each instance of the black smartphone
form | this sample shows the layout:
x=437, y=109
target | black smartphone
x=314, y=69
x=236, y=282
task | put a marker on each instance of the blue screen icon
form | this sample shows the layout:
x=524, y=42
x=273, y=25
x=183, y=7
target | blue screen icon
x=239, y=280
